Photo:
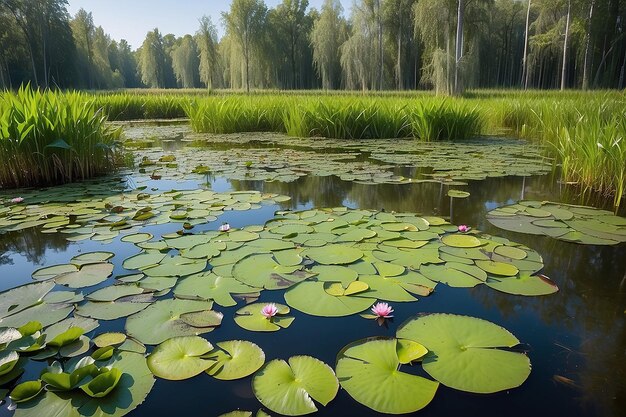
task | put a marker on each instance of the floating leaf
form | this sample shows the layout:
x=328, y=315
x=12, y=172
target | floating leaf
x=368, y=371
x=288, y=388
x=311, y=298
x=236, y=359
x=180, y=358
x=334, y=254
x=162, y=320
x=465, y=352
x=250, y=318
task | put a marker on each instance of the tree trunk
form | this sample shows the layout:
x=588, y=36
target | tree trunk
x=565, y=44
x=587, y=60
x=459, y=47
x=381, y=52
x=399, y=54
x=525, y=57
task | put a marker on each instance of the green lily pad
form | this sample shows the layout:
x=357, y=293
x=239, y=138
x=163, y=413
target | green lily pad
x=461, y=241
x=290, y=388
x=498, y=268
x=523, y=284
x=26, y=391
x=264, y=271
x=236, y=359
x=134, y=384
x=369, y=372
x=109, y=339
x=209, y=286
x=163, y=320
x=458, y=194
x=20, y=298
x=466, y=353
x=334, y=254
x=250, y=318
x=180, y=358
x=578, y=224
x=137, y=238
x=88, y=275
x=311, y=298
x=143, y=260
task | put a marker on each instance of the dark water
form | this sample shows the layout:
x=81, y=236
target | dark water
x=577, y=335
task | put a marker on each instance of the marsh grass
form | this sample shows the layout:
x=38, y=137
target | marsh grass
x=52, y=138
x=584, y=131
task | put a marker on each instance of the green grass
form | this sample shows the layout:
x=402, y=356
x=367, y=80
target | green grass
x=52, y=138
x=584, y=131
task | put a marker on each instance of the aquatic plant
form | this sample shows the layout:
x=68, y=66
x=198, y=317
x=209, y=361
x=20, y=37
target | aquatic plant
x=382, y=310
x=53, y=137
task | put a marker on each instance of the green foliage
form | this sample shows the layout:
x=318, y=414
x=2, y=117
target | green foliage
x=52, y=137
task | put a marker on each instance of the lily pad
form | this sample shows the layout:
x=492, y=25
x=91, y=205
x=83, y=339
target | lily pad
x=210, y=286
x=578, y=224
x=461, y=241
x=467, y=353
x=133, y=387
x=311, y=298
x=362, y=365
x=180, y=358
x=236, y=359
x=290, y=388
x=164, y=319
x=264, y=271
x=250, y=318
x=334, y=254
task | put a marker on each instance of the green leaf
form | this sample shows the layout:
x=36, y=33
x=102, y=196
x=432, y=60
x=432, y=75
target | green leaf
x=465, y=352
x=368, y=371
x=290, y=388
x=311, y=298
x=162, y=320
x=237, y=359
x=26, y=391
x=180, y=358
x=250, y=318
x=334, y=254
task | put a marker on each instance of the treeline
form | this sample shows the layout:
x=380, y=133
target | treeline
x=447, y=45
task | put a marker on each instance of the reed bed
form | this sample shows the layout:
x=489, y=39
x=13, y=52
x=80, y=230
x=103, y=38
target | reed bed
x=52, y=138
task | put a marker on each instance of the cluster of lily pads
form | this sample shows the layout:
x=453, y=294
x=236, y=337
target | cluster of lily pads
x=103, y=217
x=571, y=223
x=329, y=262
x=274, y=157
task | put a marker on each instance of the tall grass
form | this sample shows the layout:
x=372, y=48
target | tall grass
x=53, y=137
x=339, y=117
x=584, y=131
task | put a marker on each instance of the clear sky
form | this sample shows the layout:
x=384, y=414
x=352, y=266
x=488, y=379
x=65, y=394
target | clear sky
x=132, y=19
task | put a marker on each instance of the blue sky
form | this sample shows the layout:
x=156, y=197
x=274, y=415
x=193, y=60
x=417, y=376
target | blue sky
x=132, y=19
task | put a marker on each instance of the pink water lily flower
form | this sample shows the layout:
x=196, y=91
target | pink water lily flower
x=269, y=310
x=382, y=310
x=464, y=228
x=17, y=200
x=225, y=227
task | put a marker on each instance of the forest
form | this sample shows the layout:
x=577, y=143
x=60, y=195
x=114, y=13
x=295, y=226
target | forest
x=443, y=45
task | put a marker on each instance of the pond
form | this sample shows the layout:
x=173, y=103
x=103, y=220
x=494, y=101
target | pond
x=575, y=338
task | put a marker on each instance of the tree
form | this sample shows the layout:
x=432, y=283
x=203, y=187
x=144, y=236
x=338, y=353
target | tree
x=152, y=60
x=185, y=62
x=328, y=34
x=291, y=17
x=83, y=31
x=245, y=23
x=525, y=58
x=206, y=39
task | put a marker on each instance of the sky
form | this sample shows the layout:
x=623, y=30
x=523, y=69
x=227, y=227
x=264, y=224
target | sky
x=132, y=19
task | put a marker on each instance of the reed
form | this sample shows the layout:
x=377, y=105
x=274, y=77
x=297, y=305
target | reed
x=52, y=137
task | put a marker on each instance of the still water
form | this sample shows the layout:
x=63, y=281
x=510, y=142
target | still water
x=576, y=338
